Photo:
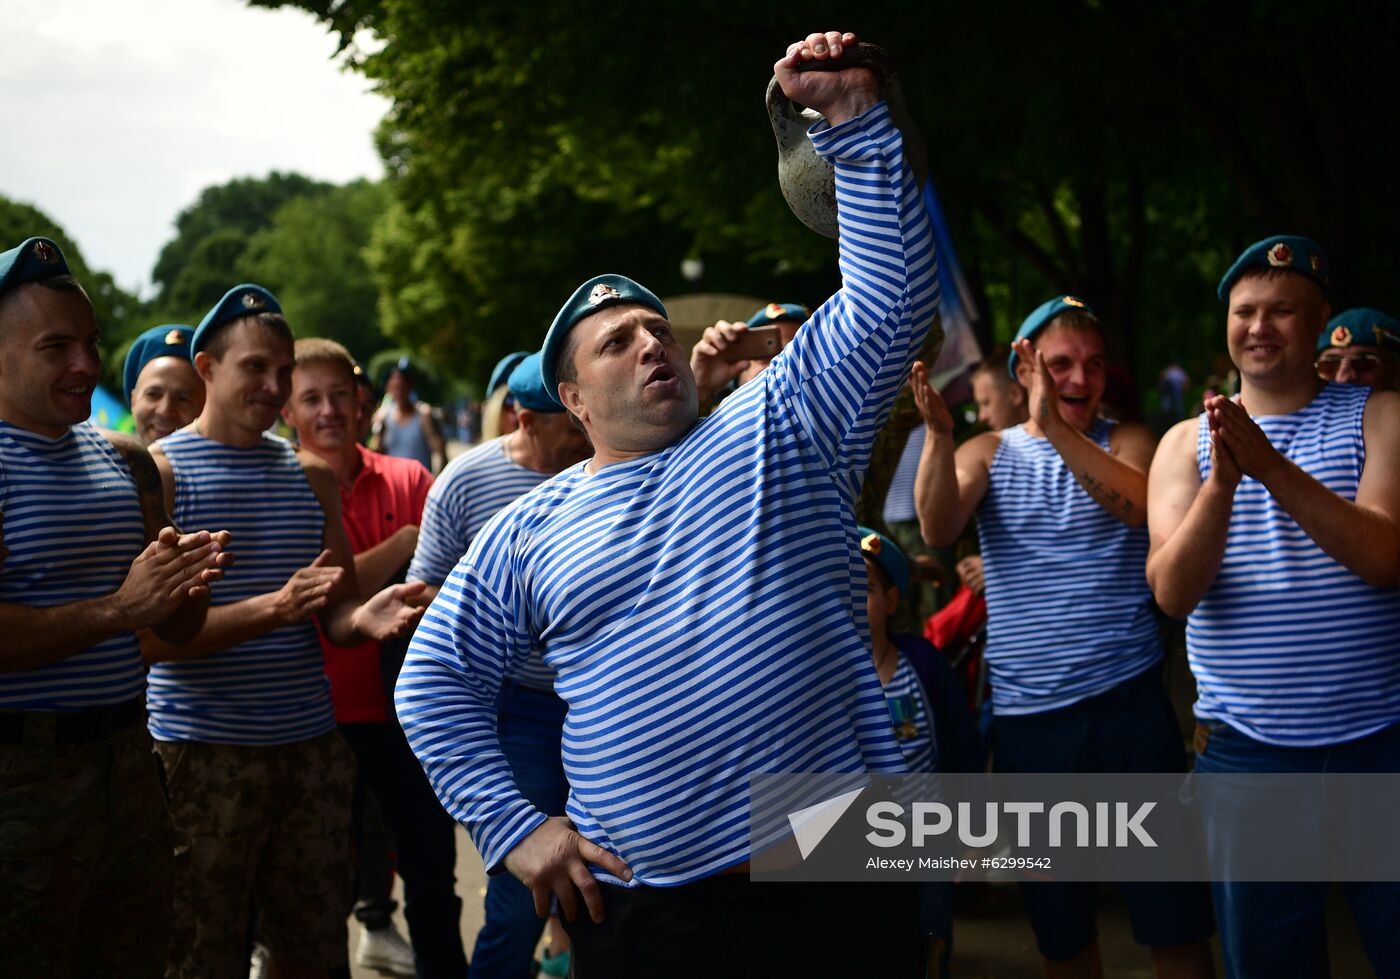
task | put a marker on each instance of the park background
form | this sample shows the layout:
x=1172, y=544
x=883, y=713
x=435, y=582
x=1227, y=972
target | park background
x=1120, y=151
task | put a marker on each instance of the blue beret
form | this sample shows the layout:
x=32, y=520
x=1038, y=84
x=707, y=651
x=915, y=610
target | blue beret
x=778, y=313
x=1293, y=252
x=170, y=340
x=29, y=261
x=1363, y=325
x=596, y=294
x=503, y=369
x=1041, y=316
x=240, y=301
x=527, y=386
x=886, y=554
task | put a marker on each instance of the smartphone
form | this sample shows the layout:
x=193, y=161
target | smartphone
x=757, y=343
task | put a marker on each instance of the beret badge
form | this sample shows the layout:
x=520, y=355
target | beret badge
x=174, y=338
x=1071, y=301
x=45, y=253
x=252, y=300
x=602, y=292
x=1341, y=337
x=1316, y=261
x=1280, y=255
x=870, y=544
x=773, y=311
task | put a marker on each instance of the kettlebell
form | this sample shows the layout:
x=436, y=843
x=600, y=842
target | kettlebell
x=808, y=182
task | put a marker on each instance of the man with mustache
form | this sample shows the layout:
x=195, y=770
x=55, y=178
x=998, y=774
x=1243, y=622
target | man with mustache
x=1361, y=346
x=654, y=579
x=472, y=489
x=259, y=781
x=1072, y=644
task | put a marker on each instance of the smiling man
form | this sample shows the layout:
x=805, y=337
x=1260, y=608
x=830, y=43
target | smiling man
x=1361, y=346
x=685, y=584
x=1072, y=644
x=160, y=383
x=381, y=501
x=1275, y=524
x=259, y=780
x=89, y=558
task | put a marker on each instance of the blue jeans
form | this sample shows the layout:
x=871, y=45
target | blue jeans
x=530, y=725
x=1127, y=728
x=1277, y=929
x=426, y=843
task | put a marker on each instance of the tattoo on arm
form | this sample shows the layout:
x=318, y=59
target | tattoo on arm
x=143, y=471
x=1106, y=495
x=148, y=483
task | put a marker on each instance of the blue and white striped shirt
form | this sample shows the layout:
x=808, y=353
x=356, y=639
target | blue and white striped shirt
x=1289, y=646
x=272, y=689
x=912, y=718
x=699, y=603
x=1069, y=611
x=899, y=499
x=471, y=490
x=73, y=525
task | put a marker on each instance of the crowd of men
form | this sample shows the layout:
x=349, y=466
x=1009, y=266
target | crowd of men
x=621, y=608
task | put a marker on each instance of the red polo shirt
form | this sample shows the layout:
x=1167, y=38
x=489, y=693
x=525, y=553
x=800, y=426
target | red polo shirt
x=387, y=494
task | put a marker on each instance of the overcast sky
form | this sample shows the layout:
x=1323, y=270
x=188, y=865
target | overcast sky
x=114, y=114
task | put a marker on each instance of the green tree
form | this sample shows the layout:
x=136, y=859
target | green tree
x=312, y=256
x=1119, y=150
x=244, y=205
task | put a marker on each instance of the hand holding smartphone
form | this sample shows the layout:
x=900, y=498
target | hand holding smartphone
x=755, y=343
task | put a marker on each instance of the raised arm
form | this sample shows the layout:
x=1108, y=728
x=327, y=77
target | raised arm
x=1116, y=479
x=951, y=483
x=845, y=366
x=1363, y=536
x=1188, y=519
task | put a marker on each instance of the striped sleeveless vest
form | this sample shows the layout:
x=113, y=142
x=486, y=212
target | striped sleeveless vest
x=1289, y=646
x=1069, y=612
x=272, y=689
x=72, y=524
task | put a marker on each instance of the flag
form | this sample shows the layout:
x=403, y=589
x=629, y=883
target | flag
x=957, y=310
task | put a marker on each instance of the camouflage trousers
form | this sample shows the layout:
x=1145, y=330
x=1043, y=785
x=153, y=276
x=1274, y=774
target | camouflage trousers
x=265, y=826
x=85, y=859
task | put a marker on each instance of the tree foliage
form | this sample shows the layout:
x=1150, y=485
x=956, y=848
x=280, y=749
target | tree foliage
x=304, y=240
x=206, y=247
x=1119, y=150
x=312, y=256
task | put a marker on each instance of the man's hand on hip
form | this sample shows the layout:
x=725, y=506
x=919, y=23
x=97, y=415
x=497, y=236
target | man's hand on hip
x=553, y=859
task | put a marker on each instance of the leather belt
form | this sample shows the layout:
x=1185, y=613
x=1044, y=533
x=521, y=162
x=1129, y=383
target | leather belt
x=69, y=727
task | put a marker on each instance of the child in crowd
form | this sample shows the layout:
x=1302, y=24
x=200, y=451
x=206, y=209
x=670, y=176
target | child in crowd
x=927, y=708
